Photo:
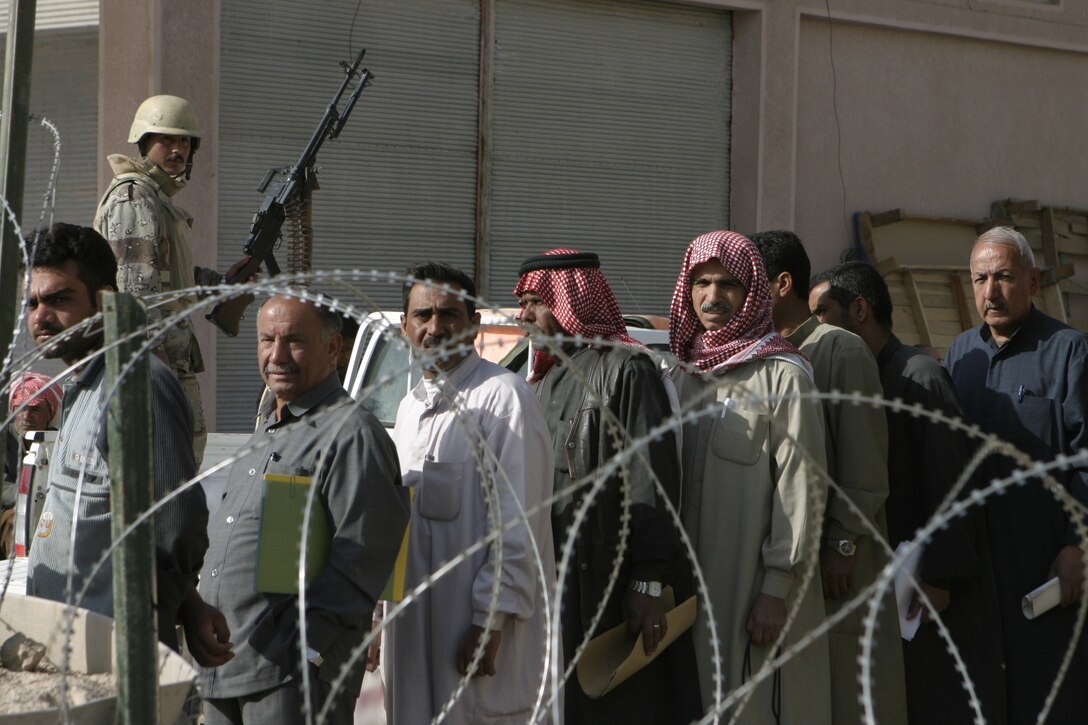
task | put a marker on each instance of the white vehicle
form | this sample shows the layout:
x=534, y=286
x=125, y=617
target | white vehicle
x=33, y=481
x=381, y=361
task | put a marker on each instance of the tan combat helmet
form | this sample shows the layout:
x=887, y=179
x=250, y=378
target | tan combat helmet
x=169, y=115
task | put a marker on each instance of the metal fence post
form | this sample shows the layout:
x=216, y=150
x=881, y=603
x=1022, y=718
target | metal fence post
x=132, y=492
x=15, y=107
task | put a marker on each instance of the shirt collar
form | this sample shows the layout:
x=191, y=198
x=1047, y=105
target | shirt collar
x=304, y=403
x=453, y=379
x=91, y=370
x=801, y=334
x=988, y=338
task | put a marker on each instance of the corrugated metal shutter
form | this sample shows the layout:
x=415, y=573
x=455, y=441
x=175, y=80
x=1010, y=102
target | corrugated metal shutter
x=399, y=184
x=611, y=134
x=55, y=14
x=64, y=90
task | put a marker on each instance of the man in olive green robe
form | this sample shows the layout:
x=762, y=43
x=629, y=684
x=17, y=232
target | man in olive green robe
x=857, y=460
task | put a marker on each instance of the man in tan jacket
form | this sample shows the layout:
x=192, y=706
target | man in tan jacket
x=857, y=460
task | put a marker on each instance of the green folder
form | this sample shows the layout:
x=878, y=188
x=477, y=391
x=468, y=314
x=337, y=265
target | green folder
x=283, y=506
x=394, y=588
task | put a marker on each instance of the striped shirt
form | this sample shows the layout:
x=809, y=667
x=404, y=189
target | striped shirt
x=81, y=453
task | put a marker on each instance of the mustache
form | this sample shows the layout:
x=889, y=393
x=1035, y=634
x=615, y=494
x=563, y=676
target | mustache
x=432, y=341
x=997, y=305
x=715, y=307
x=51, y=329
x=287, y=368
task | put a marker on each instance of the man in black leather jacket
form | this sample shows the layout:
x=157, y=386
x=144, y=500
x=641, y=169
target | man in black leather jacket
x=600, y=398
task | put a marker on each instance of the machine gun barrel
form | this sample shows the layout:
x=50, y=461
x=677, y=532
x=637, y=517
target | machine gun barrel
x=264, y=230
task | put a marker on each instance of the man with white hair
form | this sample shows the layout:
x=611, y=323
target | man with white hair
x=1020, y=376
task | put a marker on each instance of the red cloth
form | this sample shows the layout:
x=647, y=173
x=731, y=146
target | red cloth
x=33, y=386
x=581, y=301
x=750, y=333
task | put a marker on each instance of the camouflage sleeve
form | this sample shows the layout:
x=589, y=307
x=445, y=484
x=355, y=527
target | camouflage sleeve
x=130, y=221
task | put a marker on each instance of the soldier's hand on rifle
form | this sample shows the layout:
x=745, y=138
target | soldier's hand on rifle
x=205, y=277
x=235, y=270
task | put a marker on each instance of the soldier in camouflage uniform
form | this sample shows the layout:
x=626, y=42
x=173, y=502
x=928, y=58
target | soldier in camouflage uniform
x=149, y=235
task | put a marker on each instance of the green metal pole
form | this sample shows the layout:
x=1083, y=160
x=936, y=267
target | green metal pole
x=13, y=126
x=132, y=478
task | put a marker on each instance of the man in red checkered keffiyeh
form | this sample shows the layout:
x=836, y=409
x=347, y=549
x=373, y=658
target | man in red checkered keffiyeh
x=754, y=482
x=43, y=398
x=41, y=401
x=577, y=299
x=723, y=334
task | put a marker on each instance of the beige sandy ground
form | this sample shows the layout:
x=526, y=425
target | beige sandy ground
x=30, y=691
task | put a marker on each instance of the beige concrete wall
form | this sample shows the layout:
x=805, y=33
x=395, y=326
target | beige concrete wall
x=943, y=106
x=147, y=47
x=934, y=124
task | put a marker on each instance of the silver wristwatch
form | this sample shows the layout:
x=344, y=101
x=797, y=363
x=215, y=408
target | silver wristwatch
x=843, y=546
x=650, y=589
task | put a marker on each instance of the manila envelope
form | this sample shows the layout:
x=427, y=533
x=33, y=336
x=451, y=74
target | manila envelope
x=610, y=658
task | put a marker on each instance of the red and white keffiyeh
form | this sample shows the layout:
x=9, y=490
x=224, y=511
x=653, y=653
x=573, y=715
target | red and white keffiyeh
x=750, y=333
x=571, y=284
x=35, y=387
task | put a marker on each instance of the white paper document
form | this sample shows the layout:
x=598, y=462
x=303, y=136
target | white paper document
x=1042, y=600
x=904, y=592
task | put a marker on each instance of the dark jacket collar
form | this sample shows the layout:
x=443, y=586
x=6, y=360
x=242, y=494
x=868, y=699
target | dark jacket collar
x=891, y=347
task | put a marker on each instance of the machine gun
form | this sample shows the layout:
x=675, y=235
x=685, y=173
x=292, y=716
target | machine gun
x=264, y=232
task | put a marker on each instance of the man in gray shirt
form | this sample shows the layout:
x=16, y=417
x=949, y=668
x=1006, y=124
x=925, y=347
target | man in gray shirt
x=309, y=429
x=70, y=266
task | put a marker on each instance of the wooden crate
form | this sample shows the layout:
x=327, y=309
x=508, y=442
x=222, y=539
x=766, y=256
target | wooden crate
x=918, y=240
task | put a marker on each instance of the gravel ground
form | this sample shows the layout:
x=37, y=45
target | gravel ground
x=30, y=691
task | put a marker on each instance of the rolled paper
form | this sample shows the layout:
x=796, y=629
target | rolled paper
x=1042, y=600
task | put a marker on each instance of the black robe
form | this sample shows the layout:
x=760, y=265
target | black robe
x=628, y=383
x=1031, y=392
x=925, y=460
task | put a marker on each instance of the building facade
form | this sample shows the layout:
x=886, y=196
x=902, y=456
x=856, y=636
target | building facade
x=495, y=129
